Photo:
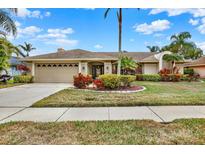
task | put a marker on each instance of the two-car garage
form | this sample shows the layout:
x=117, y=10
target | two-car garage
x=55, y=72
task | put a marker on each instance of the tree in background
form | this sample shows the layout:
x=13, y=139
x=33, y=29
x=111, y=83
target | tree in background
x=154, y=48
x=27, y=47
x=180, y=44
x=128, y=65
x=6, y=51
x=7, y=24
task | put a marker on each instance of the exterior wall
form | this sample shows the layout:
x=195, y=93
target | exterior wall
x=150, y=69
x=107, y=68
x=181, y=68
x=84, y=68
x=200, y=70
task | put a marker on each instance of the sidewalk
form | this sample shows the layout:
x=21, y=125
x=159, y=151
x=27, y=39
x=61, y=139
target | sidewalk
x=157, y=113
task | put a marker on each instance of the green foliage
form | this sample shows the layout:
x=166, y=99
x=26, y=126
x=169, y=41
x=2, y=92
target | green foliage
x=110, y=81
x=189, y=71
x=23, y=79
x=148, y=77
x=172, y=57
x=27, y=47
x=126, y=80
x=180, y=44
x=128, y=64
x=154, y=48
x=6, y=22
x=6, y=51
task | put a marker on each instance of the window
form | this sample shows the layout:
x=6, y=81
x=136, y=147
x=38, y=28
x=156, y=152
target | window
x=43, y=65
x=64, y=65
x=76, y=65
x=38, y=65
x=54, y=65
x=49, y=65
x=70, y=65
x=59, y=65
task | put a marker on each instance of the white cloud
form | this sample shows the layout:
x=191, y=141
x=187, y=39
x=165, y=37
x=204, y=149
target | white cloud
x=18, y=24
x=98, y=46
x=175, y=12
x=155, y=26
x=47, y=14
x=201, y=45
x=201, y=28
x=58, y=37
x=56, y=33
x=194, y=22
x=23, y=13
x=30, y=30
x=62, y=42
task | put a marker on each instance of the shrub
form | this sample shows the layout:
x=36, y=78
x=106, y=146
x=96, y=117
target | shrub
x=23, y=79
x=82, y=81
x=99, y=84
x=126, y=80
x=110, y=81
x=189, y=71
x=148, y=77
x=23, y=68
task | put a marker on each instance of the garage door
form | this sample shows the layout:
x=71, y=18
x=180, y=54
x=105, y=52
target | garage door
x=55, y=72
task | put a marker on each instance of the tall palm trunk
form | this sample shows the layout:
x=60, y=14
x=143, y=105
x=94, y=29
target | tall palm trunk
x=119, y=41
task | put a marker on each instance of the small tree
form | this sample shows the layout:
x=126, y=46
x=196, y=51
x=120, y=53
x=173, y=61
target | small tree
x=128, y=65
x=27, y=47
x=172, y=58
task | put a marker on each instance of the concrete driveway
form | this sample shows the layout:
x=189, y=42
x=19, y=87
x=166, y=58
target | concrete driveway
x=26, y=95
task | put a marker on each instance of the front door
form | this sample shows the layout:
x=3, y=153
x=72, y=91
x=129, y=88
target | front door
x=97, y=70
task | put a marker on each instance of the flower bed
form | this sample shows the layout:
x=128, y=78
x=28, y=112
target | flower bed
x=107, y=83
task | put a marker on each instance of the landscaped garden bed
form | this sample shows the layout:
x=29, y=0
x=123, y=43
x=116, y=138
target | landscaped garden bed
x=156, y=93
x=184, y=131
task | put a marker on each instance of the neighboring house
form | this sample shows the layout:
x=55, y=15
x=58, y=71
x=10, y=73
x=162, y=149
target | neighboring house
x=198, y=66
x=14, y=61
x=62, y=65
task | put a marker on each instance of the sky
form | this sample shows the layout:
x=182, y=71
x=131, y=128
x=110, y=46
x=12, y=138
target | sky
x=49, y=29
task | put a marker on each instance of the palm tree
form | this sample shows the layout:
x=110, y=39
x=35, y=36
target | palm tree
x=6, y=51
x=119, y=17
x=179, y=42
x=172, y=58
x=128, y=64
x=6, y=22
x=153, y=48
x=27, y=47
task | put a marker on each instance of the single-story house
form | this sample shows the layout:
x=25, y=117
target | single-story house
x=198, y=66
x=62, y=65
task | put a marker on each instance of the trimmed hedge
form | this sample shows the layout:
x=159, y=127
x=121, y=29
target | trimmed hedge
x=110, y=81
x=114, y=81
x=148, y=77
x=189, y=71
x=23, y=79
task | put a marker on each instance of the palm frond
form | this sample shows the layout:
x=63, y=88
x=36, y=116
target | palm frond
x=106, y=12
x=7, y=23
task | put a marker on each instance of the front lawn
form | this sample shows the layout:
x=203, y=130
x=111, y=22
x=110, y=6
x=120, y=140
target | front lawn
x=187, y=131
x=157, y=93
x=2, y=85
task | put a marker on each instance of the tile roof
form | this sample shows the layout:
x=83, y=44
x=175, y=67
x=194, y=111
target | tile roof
x=84, y=54
x=198, y=62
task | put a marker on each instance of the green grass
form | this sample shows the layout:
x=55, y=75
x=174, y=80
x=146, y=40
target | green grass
x=184, y=131
x=156, y=93
x=9, y=84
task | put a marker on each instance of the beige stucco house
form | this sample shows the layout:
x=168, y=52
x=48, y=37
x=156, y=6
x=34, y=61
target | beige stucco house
x=198, y=66
x=62, y=65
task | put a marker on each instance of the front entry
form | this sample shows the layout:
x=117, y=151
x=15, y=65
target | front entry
x=97, y=70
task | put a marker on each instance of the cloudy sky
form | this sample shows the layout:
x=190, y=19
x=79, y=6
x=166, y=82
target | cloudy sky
x=49, y=29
